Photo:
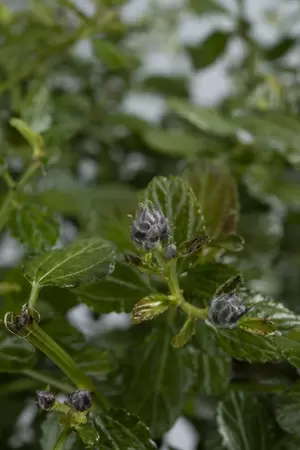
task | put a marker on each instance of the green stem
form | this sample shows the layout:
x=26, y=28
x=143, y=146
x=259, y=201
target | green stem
x=6, y=208
x=35, y=289
x=173, y=281
x=41, y=340
x=7, y=205
x=191, y=310
x=174, y=287
x=62, y=438
x=8, y=179
x=46, y=379
x=36, y=165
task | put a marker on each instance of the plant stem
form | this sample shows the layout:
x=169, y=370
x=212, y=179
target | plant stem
x=41, y=340
x=7, y=205
x=62, y=438
x=8, y=179
x=174, y=287
x=35, y=289
x=46, y=379
x=6, y=209
x=191, y=310
x=34, y=166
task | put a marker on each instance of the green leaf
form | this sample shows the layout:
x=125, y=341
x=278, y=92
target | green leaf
x=279, y=49
x=112, y=56
x=244, y=423
x=176, y=200
x=265, y=307
x=118, y=429
x=247, y=346
x=231, y=243
x=212, y=373
x=288, y=443
x=118, y=292
x=15, y=354
x=202, y=281
x=185, y=334
x=193, y=246
x=82, y=262
x=288, y=412
x=33, y=138
x=173, y=84
x=238, y=343
x=156, y=378
x=208, y=51
x=205, y=119
x=272, y=129
x=89, y=436
x=216, y=192
x=207, y=6
x=34, y=226
x=50, y=430
x=150, y=307
x=212, y=367
x=174, y=143
x=36, y=110
x=96, y=362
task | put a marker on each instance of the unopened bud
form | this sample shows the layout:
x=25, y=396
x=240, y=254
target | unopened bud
x=149, y=227
x=226, y=310
x=170, y=251
x=81, y=400
x=45, y=400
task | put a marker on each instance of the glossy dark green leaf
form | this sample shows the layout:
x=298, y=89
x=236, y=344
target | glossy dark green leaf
x=150, y=307
x=118, y=429
x=244, y=423
x=16, y=354
x=173, y=143
x=118, y=292
x=208, y=51
x=82, y=262
x=212, y=373
x=288, y=412
x=176, y=200
x=216, y=192
x=34, y=226
x=185, y=334
x=203, y=280
x=156, y=365
x=248, y=346
x=264, y=307
x=205, y=119
x=280, y=48
x=96, y=362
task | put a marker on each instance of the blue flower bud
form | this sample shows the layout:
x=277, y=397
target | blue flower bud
x=45, y=400
x=81, y=400
x=149, y=227
x=170, y=251
x=226, y=310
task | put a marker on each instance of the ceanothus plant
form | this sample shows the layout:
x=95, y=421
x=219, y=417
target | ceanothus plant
x=177, y=269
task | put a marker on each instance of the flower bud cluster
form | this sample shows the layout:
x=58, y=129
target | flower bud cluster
x=80, y=400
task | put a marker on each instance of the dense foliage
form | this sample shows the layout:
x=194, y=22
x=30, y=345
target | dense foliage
x=188, y=223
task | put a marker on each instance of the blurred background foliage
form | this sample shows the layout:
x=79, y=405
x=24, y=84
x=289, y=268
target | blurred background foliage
x=123, y=91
